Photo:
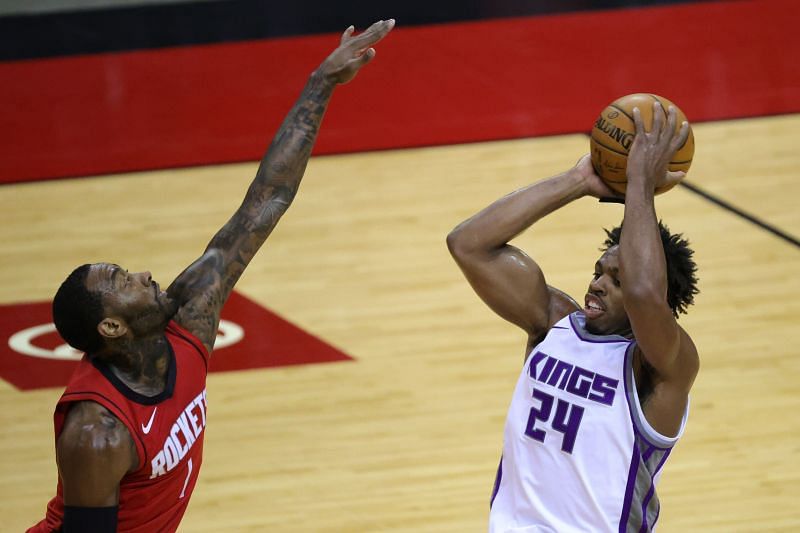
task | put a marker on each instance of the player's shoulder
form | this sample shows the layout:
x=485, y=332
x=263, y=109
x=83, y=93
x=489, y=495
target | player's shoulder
x=92, y=432
x=683, y=370
x=561, y=305
x=94, y=451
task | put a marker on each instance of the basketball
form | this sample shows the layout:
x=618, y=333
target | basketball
x=613, y=133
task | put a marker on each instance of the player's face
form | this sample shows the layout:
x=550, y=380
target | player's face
x=133, y=297
x=603, y=307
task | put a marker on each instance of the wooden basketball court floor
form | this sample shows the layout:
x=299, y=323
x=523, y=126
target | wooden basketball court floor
x=406, y=438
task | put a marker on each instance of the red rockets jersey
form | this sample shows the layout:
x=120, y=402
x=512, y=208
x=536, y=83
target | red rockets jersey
x=167, y=429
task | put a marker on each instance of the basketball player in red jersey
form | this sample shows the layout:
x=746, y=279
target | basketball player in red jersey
x=129, y=427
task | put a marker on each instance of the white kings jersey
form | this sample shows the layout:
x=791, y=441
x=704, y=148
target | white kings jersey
x=578, y=455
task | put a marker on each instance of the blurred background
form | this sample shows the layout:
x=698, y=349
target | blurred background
x=366, y=387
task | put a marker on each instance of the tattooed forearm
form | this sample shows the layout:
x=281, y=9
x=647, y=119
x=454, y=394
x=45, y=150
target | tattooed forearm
x=279, y=174
x=202, y=294
x=203, y=288
x=278, y=177
x=276, y=182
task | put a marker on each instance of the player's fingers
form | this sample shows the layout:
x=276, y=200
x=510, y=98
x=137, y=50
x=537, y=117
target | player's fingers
x=637, y=121
x=658, y=119
x=680, y=139
x=364, y=58
x=676, y=177
x=347, y=34
x=373, y=34
x=672, y=119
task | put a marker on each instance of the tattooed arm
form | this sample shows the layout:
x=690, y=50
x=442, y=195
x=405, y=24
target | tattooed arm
x=201, y=290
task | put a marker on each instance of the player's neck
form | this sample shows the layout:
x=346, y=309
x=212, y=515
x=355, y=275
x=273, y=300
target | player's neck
x=623, y=330
x=141, y=364
x=626, y=332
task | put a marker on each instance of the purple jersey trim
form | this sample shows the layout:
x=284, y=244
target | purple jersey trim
x=576, y=320
x=628, y=374
x=646, y=500
x=626, y=507
x=498, y=477
x=648, y=453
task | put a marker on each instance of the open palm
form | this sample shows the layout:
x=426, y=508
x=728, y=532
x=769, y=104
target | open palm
x=354, y=51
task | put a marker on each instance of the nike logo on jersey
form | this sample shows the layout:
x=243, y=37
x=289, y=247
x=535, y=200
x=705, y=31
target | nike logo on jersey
x=185, y=432
x=146, y=429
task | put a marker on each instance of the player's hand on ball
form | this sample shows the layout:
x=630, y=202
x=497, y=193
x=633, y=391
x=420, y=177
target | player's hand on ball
x=652, y=150
x=354, y=52
x=669, y=180
x=595, y=186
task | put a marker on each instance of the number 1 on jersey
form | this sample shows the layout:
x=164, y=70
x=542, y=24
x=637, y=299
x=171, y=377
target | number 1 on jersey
x=186, y=482
x=567, y=419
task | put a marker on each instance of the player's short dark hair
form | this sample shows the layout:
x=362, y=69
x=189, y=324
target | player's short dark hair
x=681, y=268
x=77, y=311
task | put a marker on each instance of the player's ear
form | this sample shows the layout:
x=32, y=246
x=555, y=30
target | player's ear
x=112, y=328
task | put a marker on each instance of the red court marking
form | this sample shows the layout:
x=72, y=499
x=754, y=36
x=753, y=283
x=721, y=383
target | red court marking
x=269, y=341
x=429, y=85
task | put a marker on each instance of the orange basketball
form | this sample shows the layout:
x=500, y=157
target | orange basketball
x=613, y=132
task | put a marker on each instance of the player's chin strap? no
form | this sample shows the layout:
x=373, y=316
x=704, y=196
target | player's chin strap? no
x=611, y=200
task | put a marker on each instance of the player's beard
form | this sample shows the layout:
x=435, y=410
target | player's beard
x=154, y=319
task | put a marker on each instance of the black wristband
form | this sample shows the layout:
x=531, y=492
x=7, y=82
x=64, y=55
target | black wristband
x=90, y=519
x=611, y=200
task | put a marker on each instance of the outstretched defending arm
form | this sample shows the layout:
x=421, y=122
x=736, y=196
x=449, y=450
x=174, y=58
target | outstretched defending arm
x=202, y=289
x=506, y=278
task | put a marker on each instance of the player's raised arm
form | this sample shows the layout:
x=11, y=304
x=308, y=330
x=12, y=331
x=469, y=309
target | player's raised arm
x=201, y=290
x=507, y=279
x=643, y=275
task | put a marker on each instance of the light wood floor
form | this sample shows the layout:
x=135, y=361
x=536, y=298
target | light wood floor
x=407, y=438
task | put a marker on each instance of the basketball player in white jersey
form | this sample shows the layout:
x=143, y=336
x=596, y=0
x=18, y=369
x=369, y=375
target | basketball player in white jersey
x=604, y=392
